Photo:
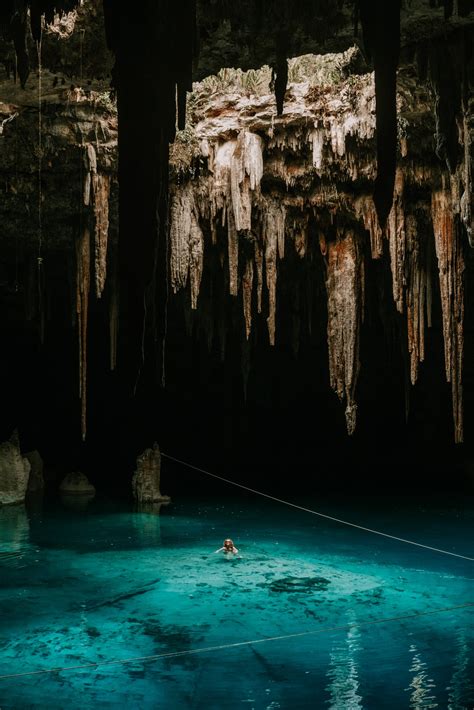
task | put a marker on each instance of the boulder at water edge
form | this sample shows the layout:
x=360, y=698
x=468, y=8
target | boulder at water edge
x=14, y=472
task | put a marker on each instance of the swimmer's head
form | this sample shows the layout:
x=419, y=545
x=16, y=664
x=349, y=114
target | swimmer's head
x=228, y=543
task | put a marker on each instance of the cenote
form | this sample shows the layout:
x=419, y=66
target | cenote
x=308, y=615
x=236, y=310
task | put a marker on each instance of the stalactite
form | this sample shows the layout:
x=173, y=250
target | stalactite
x=247, y=288
x=101, y=192
x=317, y=137
x=196, y=253
x=245, y=174
x=396, y=237
x=345, y=291
x=415, y=297
x=258, y=257
x=82, y=307
x=271, y=279
x=467, y=197
x=181, y=213
x=451, y=268
x=274, y=239
x=96, y=191
x=233, y=254
x=299, y=234
x=90, y=164
x=365, y=210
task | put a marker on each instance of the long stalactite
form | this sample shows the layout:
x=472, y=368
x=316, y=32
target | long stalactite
x=83, y=266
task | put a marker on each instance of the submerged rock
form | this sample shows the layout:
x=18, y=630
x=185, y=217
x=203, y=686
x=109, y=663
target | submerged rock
x=14, y=472
x=36, y=480
x=304, y=585
x=76, y=483
x=146, y=479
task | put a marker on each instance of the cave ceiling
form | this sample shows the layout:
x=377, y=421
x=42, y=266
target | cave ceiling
x=318, y=160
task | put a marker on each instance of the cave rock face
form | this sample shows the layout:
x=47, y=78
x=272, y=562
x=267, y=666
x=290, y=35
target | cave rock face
x=146, y=479
x=14, y=473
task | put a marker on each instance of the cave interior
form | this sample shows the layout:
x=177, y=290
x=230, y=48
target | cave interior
x=243, y=231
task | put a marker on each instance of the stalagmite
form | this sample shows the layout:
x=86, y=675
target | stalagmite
x=82, y=307
x=345, y=291
x=247, y=287
x=451, y=269
x=101, y=192
x=396, y=237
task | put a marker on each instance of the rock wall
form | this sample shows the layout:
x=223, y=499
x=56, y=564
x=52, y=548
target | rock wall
x=14, y=473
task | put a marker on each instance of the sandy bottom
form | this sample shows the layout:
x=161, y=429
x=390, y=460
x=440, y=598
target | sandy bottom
x=109, y=583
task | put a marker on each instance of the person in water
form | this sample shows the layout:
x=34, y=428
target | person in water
x=228, y=547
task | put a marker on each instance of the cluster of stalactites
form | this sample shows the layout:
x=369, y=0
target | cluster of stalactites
x=409, y=248
x=229, y=195
x=14, y=24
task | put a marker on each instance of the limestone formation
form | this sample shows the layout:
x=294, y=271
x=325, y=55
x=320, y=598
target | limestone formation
x=14, y=472
x=251, y=186
x=146, y=479
x=76, y=483
x=260, y=188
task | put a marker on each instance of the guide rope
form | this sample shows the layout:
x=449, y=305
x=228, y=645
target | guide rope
x=208, y=649
x=316, y=512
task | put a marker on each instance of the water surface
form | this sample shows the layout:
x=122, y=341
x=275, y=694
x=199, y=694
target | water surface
x=110, y=583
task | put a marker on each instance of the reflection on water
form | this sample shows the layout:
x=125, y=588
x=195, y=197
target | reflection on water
x=77, y=502
x=462, y=683
x=15, y=532
x=146, y=522
x=422, y=685
x=343, y=676
x=100, y=586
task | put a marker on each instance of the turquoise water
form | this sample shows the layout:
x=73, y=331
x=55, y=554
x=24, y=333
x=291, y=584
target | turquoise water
x=109, y=583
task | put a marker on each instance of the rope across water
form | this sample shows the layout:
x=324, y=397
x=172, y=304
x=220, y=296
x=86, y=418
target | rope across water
x=318, y=513
x=239, y=644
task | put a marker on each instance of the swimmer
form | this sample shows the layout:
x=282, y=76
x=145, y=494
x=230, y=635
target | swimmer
x=228, y=547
